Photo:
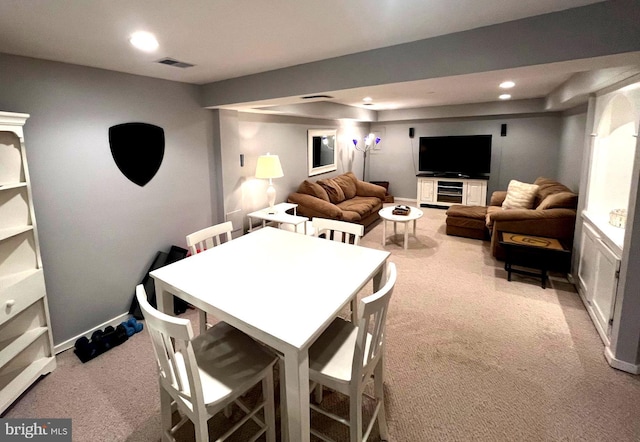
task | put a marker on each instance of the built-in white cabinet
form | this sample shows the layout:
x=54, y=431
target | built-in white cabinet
x=598, y=274
x=26, y=345
x=609, y=197
x=447, y=191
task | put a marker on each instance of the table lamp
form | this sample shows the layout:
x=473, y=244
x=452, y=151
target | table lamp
x=269, y=167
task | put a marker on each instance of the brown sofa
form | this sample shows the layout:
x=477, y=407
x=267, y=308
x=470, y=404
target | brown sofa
x=553, y=215
x=344, y=198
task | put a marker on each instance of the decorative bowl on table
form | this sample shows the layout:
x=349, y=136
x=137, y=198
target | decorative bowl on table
x=401, y=210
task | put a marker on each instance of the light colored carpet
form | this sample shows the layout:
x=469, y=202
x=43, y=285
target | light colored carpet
x=469, y=357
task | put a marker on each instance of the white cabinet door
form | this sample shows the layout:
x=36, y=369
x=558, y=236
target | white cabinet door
x=426, y=191
x=605, y=284
x=587, y=264
x=598, y=272
x=474, y=193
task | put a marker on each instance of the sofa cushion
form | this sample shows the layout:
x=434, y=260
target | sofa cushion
x=362, y=205
x=560, y=200
x=491, y=210
x=546, y=187
x=313, y=189
x=347, y=183
x=350, y=216
x=333, y=189
x=520, y=195
x=470, y=212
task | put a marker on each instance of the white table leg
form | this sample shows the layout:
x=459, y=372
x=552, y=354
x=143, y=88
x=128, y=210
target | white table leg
x=163, y=299
x=406, y=235
x=379, y=277
x=384, y=232
x=296, y=371
x=414, y=227
x=284, y=430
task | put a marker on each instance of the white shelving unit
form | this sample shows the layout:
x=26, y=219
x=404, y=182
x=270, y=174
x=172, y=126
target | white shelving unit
x=447, y=191
x=611, y=166
x=26, y=345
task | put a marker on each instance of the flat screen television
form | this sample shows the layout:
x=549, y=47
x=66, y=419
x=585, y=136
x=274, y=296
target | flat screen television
x=461, y=156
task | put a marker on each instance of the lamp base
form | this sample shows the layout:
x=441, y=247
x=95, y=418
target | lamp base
x=271, y=197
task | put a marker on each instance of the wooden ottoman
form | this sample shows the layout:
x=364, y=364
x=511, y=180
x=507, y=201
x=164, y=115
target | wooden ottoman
x=467, y=221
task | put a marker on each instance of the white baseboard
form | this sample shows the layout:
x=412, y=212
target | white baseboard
x=72, y=342
x=409, y=200
x=620, y=365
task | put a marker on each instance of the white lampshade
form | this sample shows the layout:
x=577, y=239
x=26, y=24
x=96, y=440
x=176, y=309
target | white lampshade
x=269, y=167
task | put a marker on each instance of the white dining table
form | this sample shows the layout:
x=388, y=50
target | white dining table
x=280, y=287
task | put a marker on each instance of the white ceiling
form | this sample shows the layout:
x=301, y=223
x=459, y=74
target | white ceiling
x=231, y=38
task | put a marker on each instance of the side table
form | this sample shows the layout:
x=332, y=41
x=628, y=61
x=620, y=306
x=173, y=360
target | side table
x=280, y=217
x=387, y=215
x=536, y=252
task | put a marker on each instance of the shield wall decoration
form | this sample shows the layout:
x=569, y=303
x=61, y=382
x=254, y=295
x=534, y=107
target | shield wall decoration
x=137, y=149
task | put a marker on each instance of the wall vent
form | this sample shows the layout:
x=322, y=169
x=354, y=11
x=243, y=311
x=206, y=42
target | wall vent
x=310, y=97
x=175, y=63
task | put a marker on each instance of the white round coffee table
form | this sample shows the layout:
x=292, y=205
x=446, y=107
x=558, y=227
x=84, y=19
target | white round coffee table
x=387, y=215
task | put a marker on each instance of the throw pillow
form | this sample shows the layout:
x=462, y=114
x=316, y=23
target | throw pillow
x=313, y=189
x=560, y=200
x=547, y=187
x=333, y=189
x=520, y=195
x=347, y=184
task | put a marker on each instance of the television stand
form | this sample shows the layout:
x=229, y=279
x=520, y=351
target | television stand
x=442, y=192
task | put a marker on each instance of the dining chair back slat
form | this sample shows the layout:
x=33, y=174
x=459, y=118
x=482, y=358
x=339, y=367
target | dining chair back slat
x=209, y=237
x=335, y=230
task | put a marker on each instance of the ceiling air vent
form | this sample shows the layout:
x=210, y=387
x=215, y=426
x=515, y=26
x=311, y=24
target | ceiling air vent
x=310, y=97
x=175, y=63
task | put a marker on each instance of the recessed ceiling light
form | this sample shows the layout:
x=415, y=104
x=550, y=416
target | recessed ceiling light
x=367, y=99
x=507, y=84
x=145, y=41
x=504, y=96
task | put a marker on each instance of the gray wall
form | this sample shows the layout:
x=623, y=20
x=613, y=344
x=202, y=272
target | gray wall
x=530, y=149
x=574, y=126
x=258, y=134
x=98, y=231
x=533, y=147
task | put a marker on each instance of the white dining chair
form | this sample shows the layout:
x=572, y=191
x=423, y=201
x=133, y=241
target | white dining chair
x=341, y=231
x=203, y=240
x=335, y=230
x=348, y=355
x=201, y=376
x=209, y=237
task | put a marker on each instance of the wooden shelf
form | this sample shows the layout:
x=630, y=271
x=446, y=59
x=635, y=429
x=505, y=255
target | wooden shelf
x=13, y=231
x=26, y=349
x=7, y=186
x=11, y=348
x=13, y=383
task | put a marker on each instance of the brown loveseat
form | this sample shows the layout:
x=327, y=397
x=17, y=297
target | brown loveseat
x=344, y=198
x=553, y=214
